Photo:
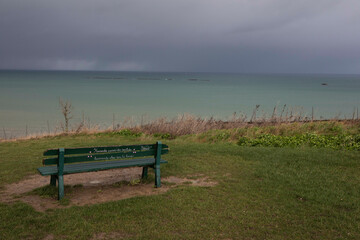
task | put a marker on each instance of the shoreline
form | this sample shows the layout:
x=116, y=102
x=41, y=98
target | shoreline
x=279, y=115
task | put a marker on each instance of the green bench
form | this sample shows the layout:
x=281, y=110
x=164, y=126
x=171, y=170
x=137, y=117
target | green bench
x=90, y=159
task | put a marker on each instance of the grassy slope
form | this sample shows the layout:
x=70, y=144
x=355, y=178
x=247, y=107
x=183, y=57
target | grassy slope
x=263, y=193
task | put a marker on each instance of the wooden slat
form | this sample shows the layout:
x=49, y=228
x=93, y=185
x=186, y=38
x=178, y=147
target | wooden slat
x=97, y=166
x=106, y=149
x=102, y=157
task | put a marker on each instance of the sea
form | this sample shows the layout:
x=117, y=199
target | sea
x=29, y=100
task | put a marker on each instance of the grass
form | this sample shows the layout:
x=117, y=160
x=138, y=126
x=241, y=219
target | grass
x=288, y=120
x=188, y=124
x=326, y=128
x=262, y=193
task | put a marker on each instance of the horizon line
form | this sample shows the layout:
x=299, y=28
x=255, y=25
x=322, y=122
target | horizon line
x=193, y=72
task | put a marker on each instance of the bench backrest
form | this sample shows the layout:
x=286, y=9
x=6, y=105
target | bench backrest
x=109, y=153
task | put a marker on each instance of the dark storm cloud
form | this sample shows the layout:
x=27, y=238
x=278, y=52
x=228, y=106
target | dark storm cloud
x=168, y=35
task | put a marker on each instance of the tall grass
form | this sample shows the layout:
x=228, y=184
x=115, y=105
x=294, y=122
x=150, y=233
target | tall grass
x=282, y=119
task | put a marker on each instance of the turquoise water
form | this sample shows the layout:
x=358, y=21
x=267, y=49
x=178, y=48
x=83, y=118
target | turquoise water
x=30, y=99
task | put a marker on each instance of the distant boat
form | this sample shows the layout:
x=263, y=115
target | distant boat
x=324, y=84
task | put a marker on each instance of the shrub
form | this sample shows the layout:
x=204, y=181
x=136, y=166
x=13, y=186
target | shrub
x=349, y=142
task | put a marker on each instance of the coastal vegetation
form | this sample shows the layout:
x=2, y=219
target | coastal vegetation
x=280, y=120
x=335, y=134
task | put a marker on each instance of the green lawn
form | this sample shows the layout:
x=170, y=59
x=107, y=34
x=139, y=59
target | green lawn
x=262, y=193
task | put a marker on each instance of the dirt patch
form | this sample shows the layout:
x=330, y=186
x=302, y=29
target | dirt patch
x=85, y=179
x=96, y=187
x=202, y=182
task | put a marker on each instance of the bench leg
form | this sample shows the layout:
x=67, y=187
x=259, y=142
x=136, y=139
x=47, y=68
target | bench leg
x=157, y=176
x=53, y=180
x=61, y=187
x=144, y=173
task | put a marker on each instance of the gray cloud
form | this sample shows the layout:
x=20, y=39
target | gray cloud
x=168, y=35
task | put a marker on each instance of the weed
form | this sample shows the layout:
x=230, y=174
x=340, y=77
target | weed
x=164, y=136
x=134, y=182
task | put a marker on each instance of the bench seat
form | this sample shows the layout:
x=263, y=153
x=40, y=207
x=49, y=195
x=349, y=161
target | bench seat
x=62, y=161
x=98, y=166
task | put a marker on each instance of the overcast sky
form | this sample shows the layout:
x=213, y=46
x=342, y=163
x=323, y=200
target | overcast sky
x=281, y=36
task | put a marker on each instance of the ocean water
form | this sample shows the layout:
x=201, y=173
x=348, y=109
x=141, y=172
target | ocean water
x=30, y=99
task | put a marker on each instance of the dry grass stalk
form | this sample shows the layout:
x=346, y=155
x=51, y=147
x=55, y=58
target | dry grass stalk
x=66, y=110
